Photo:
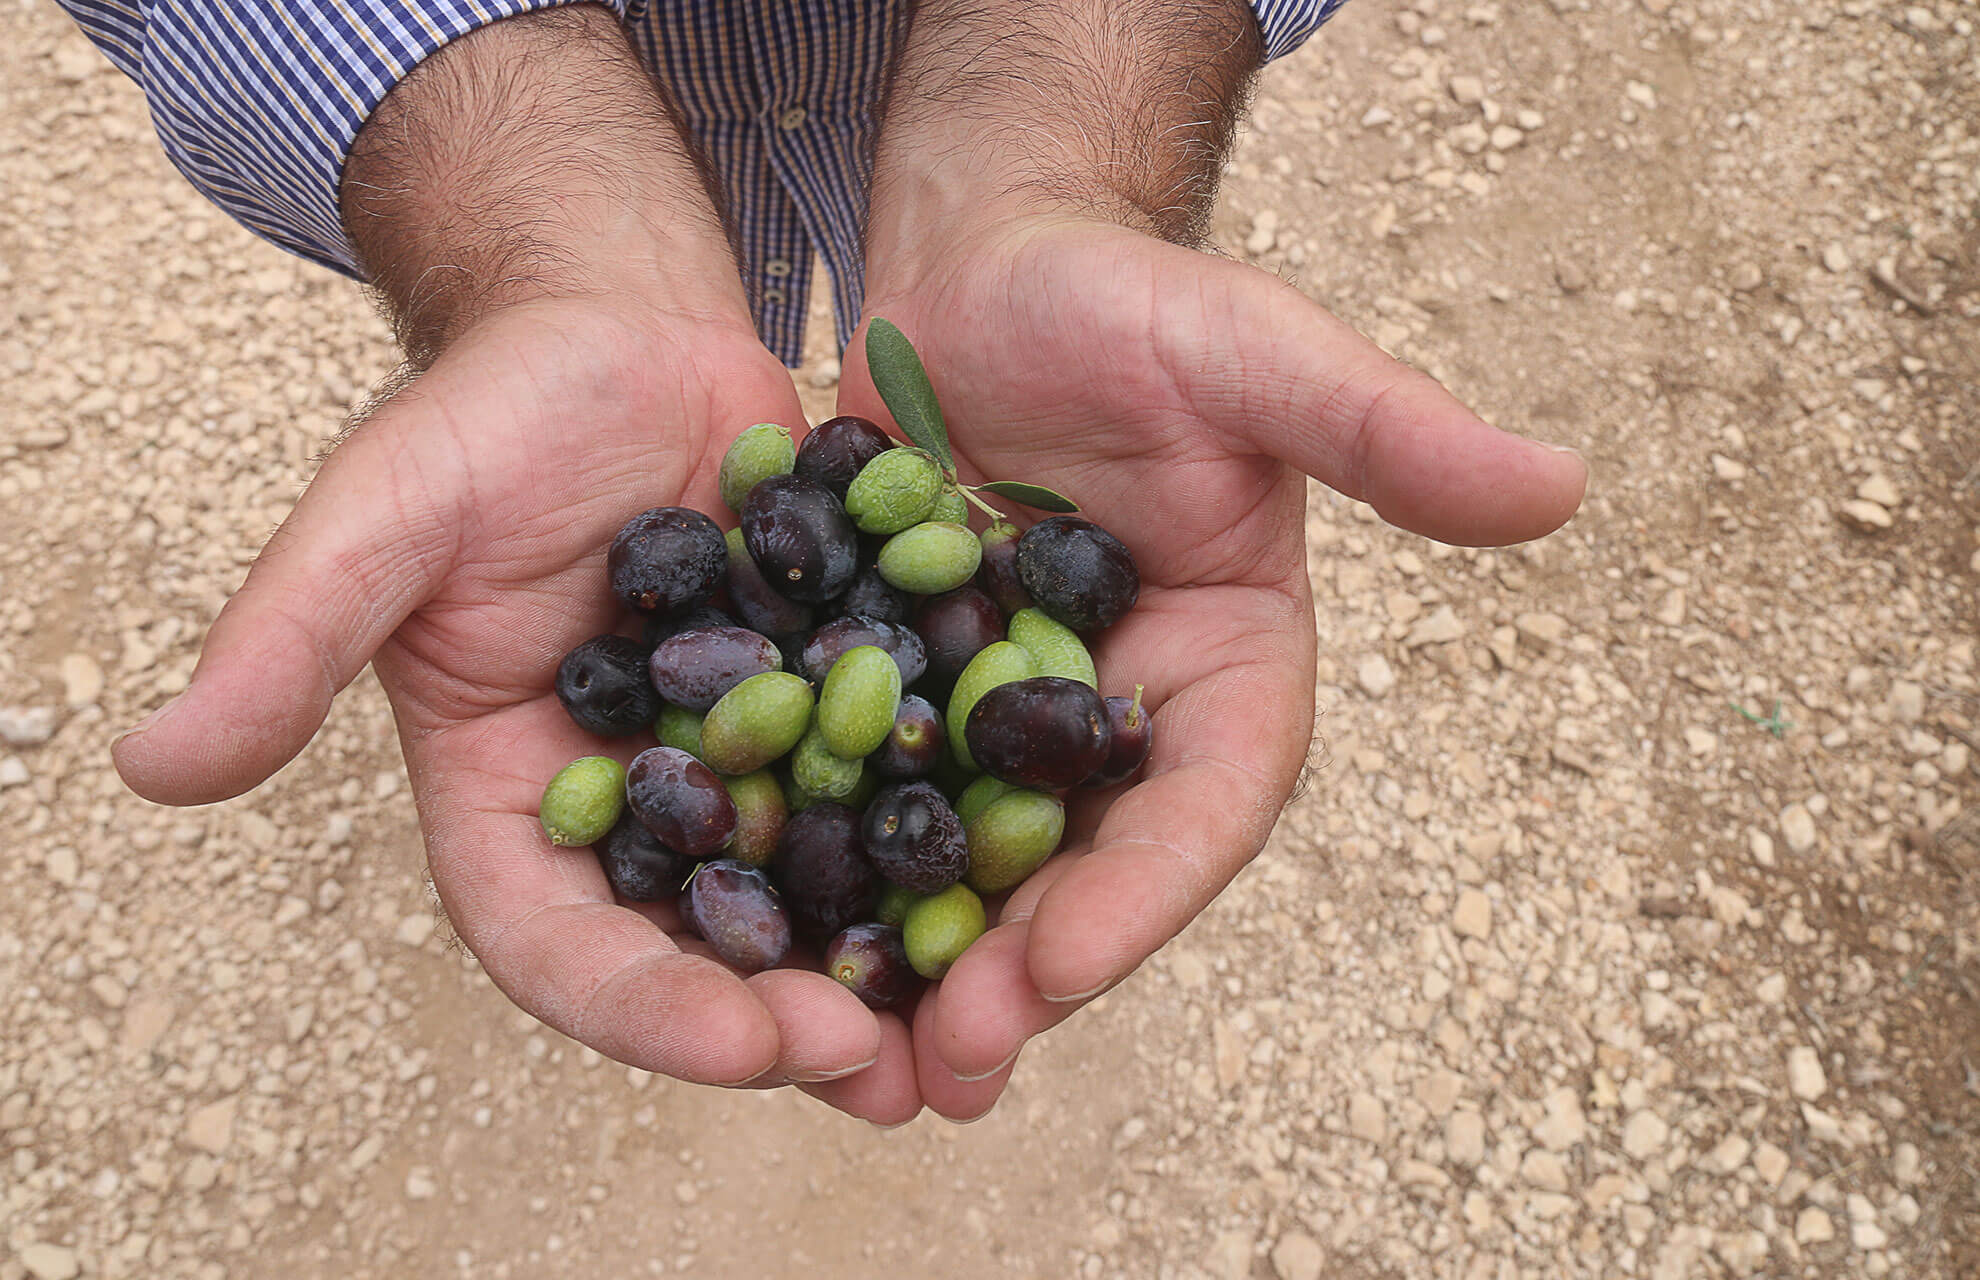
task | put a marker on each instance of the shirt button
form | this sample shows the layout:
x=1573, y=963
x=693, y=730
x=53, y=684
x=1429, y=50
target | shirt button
x=791, y=118
x=777, y=267
x=773, y=295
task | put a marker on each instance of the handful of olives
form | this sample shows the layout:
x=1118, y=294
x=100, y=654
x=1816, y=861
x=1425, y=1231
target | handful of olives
x=866, y=713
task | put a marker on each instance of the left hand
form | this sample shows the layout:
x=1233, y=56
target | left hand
x=1181, y=399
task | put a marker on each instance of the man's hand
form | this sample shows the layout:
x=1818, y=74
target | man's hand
x=1035, y=163
x=549, y=247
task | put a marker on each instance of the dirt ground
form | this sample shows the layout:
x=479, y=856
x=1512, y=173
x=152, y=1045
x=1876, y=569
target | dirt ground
x=1630, y=925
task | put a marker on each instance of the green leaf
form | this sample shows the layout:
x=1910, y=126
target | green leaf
x=1031, y=495
x=902, y=382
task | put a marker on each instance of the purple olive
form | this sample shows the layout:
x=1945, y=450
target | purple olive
x=682, y=801
x=830, y=642
x=1130, y=735
x=870, y=960
x=666, y=560
x=822, y=869
x=1048, y=733
x=834, y=451
x=800, y=537
x=998, y=573
x=956, y=626
x=914, y=744
x=914, y=838
x=695, y=668
x=736, y=910
x=1077, y=572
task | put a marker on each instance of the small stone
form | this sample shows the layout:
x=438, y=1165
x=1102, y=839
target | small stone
x=1366, y=1118
x=1746, y=277
x=210, y=1128
x=1865, y=517
x=1836, y=258
x=415, y=929
x=1868, y=1235
x=1906, y=1164
x=1907, y=701
x=50, y=1262
x=1729, y=1155
x=1728, y=469
x=1547, y=628
x=1771, y=1163
x=1464, y=1138
x=1469, y=90
x=1798, y=828
x=107, y=989
x=146, y=1021
x=1644, y=1135
x=13, y=773
x=826, y=374
x=1543, y=1169
x=1878, y=489
x=26, y=726
x=420, y=1183
x=686, y=1192
x=1564, y=1124
x=1570, y=276
x=1375, y=675
x=1297, y=1256
x=1472, y=917
x=1806, y=1079
x=1230, y=1257
x=82, y=680
x=63, y=866
x=1441, y=627
x=1813, y=1226
x=1505, y=138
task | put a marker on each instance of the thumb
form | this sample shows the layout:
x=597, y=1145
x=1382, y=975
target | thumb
x=365, y=546
x=1278, y=370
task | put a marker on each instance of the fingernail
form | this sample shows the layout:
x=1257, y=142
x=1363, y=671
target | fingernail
x=1087, y=994
x=820, y=1077
x=1562, y=448
x=888, y=1128
x=150, y=722
x=991, y=1072
x=972, y=1119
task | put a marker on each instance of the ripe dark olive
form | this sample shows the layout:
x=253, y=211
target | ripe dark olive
x=836, y=449
x=639, y=867
x=823, y=871
x=870, y=960
x=998, y=573
x=800, y=537
x=1077, y=572
x=666, y=560
x=956, y=626
x=756, y=602
x=1130, y=734
x=871, y=596
x=915, y=742
x=736, y=910
x=1048, y=733
x=914, y=838
x=681, y=800
x=695, y=668
x=829, y=643
x=602, y=684
x=664, y=626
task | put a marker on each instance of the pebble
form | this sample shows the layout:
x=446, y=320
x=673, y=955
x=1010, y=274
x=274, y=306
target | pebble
x=211, y=1128
x=1644, y=1135
x=1547, y=628
x=1878, y=489
x=50, y=1262
x=1813, y=1226
x=415, y=929
x=826, y=374
x=26, y=726
x=1230, y=1255
x=1375, y=676
x=1836, y=258
x=1806, y=1079
x=82, y=680
x=421, y=1184
x=1865, y=517
x=1771, y=1163
x=146, y=1021
x=1441, y=627
x=1543, y=1169
x=1470, y=90
x=1746, y=277
x=1464, y=1138
x=1798, y=828
x=1564, y=1124
x=1472, y=917
x=1366, y=1118
x=1906, y=1164
x=13, y=772
x=1297, y=1256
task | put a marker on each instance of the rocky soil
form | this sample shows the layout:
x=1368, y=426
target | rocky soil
x=1629, y=925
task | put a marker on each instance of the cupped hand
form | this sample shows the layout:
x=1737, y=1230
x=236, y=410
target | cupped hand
x=1181, y=399
x=457, y=541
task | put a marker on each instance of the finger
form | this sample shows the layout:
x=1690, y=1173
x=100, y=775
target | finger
x=541, y=921
x=368, y=542
x=823, y=1029
x=1275, y=368
x=988, y=1005
x=942, y=1091
x=1213, y=789
x=886, y=1092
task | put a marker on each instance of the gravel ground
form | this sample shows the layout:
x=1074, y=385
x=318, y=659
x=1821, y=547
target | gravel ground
x=1630, y=925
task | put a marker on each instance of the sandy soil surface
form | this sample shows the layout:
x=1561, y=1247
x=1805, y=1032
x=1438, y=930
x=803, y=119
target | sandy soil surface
x=1630, y=925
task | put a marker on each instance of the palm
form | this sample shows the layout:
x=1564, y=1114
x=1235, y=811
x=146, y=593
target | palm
x=461, y=534
x=1168, y=394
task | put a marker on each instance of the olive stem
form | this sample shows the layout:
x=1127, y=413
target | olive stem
x=969, y=492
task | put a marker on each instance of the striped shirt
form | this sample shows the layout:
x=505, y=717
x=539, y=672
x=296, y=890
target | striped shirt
x=257, y=104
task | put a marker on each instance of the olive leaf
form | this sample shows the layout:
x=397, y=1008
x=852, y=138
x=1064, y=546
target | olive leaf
x=903, y=383
x=1031, y=495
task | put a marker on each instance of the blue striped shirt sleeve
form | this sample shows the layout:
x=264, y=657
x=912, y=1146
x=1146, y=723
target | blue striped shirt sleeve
x=258, y=104
x=1286, y=24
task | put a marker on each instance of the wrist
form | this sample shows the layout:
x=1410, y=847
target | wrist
x=533, y=160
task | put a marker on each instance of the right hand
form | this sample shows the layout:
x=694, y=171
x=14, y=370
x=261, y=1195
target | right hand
x=457, y=541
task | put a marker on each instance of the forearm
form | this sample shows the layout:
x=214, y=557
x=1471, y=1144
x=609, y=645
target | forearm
x=532, y=158
x=1122, y=109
